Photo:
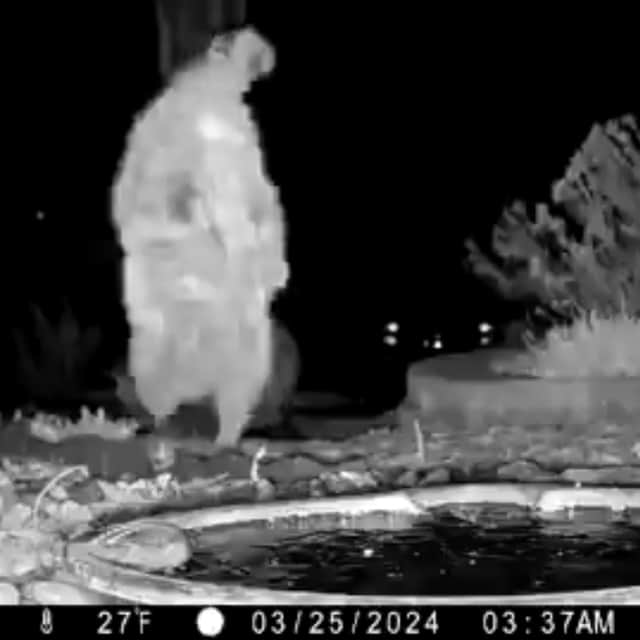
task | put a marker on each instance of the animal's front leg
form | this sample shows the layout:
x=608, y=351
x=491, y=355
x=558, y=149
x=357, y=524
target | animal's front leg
x=234, y=409
x=242, y=386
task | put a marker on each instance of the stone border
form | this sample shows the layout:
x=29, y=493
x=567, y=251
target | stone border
x=491, y=385
x=135, y=586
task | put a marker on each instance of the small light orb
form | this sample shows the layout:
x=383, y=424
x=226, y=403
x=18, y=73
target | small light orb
x=393, y=327
x=485, y=340
x=484, y=328
x=391, y=341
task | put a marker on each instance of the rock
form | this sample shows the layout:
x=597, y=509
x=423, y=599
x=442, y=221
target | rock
x=483, y=440
x=387, y=478
x=9, y=595
x=238, y=491
x=86, y=493
x=299, y=490
x=315, y=488
x=146, y=546
x=19, y=556
x=53, y=592
x=611, y=429
x=439, y=475
x=357, y=465
x=458, y=474
x=597, y=457
x=524, y=471
x=469, y=467
x=16, y=517
x=345, y=482
x=484, y=469
x=30, y=472
x=563, y=457
x=64, y=515
x=407, y=479
x=330, y=454
x=57, y=493
x=288, y=470
x=397, y=461
x=608, y=475
x=265, y=491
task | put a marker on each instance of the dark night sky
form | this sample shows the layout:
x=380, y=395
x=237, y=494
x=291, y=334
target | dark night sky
x=392, y=137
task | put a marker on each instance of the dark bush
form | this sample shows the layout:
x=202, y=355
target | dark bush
x=582, y=252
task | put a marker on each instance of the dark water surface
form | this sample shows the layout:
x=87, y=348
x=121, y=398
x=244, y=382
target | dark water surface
x=444, y=556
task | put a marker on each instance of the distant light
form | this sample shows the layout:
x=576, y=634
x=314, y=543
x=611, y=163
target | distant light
x=485, y=340
x=393, y=327
x=426, y=344
x=485, y=327
x=40, y=215
x=391, y=341
x=437, y=343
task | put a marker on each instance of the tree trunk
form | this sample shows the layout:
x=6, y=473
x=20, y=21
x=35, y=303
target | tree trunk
x=186, y=28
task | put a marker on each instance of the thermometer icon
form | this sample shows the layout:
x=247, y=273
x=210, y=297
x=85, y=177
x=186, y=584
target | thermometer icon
x=46, y=621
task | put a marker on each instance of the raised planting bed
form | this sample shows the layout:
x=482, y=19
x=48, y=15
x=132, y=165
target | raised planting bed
x=512, y=544
x=492, y=386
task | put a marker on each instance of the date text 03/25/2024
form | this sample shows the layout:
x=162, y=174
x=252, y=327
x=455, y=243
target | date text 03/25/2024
x=424, y=621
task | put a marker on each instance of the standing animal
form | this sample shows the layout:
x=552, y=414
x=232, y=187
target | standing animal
x=203, y=234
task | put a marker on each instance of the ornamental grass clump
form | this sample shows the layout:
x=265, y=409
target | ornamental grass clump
x=592, y=346
x=56, y=361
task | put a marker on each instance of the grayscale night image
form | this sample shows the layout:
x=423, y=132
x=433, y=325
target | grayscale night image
x=320, y=318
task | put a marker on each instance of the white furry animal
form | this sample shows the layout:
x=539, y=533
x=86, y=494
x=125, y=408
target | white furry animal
x=202, y=229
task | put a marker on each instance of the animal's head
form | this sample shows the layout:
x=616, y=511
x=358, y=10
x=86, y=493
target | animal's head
x=247, y=50
x=232, y=63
